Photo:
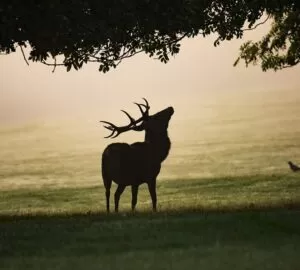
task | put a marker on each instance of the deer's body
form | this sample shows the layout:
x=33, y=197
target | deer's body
x=140, y=162
x=130, y=164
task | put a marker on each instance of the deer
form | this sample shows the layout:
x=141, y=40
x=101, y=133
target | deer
x=140, y=162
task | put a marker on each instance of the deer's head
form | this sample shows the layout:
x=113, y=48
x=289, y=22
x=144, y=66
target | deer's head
x=153, y=124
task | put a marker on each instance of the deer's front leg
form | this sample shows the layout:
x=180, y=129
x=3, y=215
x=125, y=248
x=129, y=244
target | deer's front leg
x=134, y=192
x=152, y=190
x=118, y=193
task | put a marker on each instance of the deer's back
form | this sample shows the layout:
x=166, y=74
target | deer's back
x=130, y=164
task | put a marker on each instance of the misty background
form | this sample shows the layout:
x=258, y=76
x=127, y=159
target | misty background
x=197, y=82
x=228, y=120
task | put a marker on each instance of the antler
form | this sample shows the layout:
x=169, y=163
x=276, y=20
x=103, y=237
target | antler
x=145, y=113
x=116, y=131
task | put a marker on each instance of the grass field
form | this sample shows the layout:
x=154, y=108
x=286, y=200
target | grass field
x=195, y=239
x=226, y=197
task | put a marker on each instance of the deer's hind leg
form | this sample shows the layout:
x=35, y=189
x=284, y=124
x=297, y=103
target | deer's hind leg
x=152, y=191
x=107, y=185
x=134, y=192
x=118, y=194
x=107, y=194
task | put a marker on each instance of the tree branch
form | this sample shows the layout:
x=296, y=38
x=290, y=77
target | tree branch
x=178, y=39
x=128, y=56
x=53, y=65
x=21, y=47
x=289, y=66
x=261, y=23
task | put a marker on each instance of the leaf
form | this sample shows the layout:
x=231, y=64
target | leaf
x=69, y=67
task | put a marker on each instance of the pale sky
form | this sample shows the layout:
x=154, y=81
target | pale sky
x=199, y=75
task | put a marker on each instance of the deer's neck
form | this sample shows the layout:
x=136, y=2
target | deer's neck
x=160, y=145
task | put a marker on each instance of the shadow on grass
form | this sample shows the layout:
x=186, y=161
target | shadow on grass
x=32, y=235
x=181, y=212
x=97, y=233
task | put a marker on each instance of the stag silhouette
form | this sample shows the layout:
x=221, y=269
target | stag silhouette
x=140, y=162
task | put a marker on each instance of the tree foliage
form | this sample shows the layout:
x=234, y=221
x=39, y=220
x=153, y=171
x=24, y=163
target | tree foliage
x=108, y=31
x=280, y=48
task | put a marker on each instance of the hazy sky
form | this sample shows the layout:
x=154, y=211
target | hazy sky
x=199, y=75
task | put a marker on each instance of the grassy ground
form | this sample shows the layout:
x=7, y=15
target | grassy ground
x=225, y=223
x=229, y=193
x=227, y=199
x=168, y=240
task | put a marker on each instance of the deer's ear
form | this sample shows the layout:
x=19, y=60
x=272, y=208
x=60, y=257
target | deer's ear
x=141, y=127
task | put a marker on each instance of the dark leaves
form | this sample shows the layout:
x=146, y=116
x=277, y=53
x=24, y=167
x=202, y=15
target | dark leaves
x=107, y=32
x=280, y=48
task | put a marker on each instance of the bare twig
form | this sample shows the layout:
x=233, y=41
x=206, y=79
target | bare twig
x=128, y=56
x=178, y=39
x=51, y=65
x=252, y=28
x=21, y=47
x=54, y=65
